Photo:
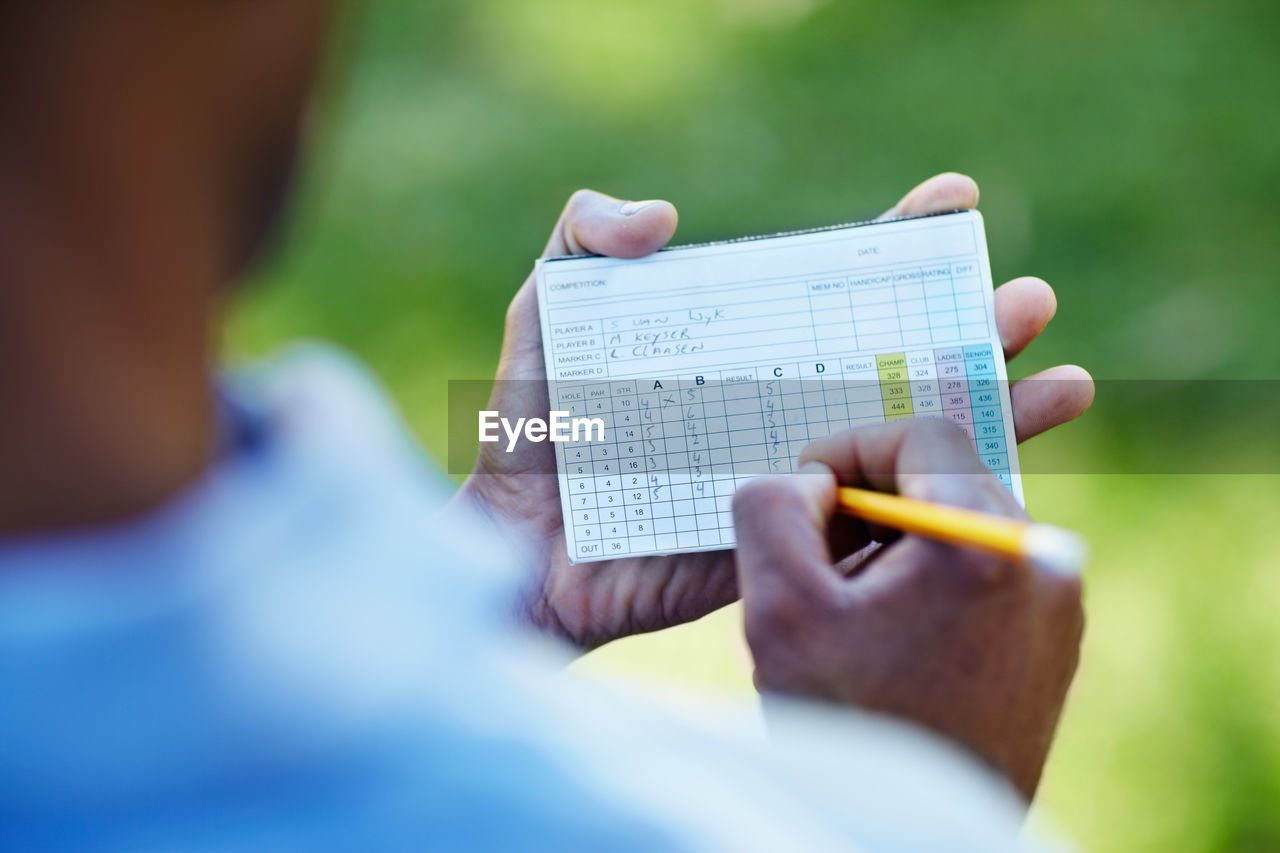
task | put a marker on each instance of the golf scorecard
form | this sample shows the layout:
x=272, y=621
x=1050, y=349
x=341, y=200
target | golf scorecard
x=699, y=367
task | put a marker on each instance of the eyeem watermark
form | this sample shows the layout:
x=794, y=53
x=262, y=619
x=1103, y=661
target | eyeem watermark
x=561, y=427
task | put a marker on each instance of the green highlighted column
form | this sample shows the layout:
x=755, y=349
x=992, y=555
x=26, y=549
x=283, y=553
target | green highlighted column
x=895, y=389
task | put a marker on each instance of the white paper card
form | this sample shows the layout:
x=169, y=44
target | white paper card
x=712, y=364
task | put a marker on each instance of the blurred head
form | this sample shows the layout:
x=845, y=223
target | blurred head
x=175, y=119
x=145, y=151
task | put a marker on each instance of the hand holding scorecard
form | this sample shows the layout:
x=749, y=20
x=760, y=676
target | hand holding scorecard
x=712, y=364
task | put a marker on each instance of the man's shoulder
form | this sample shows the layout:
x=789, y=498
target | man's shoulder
x=320, y=393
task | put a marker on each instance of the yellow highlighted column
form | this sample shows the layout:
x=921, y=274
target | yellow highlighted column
x=895, y=390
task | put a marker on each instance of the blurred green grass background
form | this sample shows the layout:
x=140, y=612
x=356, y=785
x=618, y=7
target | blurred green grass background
x=1129, y=153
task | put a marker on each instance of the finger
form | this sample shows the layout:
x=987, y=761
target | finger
x=875, y=457
x=948, y=191
x=931, y=460
x=591, y=223
x=782, y=556
x=596, y=224
x=1049, y=398
x=1024, y=307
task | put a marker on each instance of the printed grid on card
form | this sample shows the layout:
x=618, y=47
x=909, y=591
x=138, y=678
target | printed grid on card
x=713, y=364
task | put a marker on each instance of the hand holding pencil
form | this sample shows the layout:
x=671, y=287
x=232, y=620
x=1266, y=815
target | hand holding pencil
x=975, y=646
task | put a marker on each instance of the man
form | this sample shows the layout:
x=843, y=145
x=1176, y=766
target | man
x=236, y=612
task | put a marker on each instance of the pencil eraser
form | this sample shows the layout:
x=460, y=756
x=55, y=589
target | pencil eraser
x=1054, y=549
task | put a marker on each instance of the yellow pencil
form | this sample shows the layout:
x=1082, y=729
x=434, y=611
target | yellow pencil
x=1040, y=545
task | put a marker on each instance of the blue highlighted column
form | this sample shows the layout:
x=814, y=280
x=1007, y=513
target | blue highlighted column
x=988, y=419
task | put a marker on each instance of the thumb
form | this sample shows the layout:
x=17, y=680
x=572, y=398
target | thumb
x=784, y=566
x=594, y=223
x=939, y=194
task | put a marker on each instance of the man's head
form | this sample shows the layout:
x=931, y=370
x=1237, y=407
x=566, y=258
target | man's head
x=186, y=113
x=145, y=150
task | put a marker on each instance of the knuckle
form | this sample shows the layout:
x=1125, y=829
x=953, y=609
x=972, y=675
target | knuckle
x=579, y=199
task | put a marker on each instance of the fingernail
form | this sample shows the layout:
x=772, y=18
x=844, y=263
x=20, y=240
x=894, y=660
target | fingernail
x=816, y=478
x=814, y=467
x=631, y=208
